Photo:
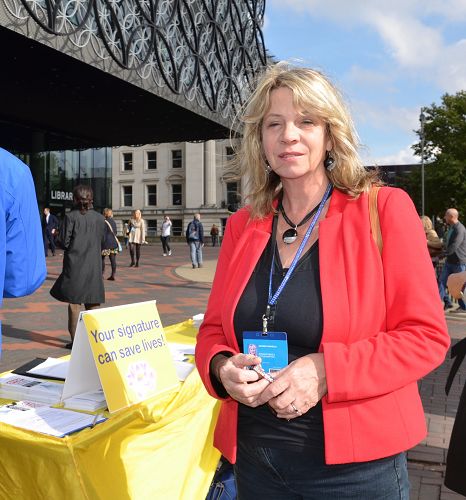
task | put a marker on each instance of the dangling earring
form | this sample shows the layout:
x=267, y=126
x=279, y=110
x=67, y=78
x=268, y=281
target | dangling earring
x=329, y=162
x=268, y=168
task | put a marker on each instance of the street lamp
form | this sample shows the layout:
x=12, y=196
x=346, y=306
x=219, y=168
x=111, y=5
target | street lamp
x=423, y=119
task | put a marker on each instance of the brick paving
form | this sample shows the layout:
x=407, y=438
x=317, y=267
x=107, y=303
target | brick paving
x=426, y=462
x=37, y=326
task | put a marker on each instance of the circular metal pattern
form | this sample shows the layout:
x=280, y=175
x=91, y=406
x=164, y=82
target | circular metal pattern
x=209, y=51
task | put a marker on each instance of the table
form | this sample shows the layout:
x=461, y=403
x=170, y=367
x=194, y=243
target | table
x=159, y=449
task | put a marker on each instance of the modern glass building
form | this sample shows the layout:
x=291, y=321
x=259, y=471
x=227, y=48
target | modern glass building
x=56, y=173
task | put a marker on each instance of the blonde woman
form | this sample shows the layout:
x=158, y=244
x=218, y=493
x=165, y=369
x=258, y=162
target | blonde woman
x=335, y=419
x=137, y=237
x=434, y=243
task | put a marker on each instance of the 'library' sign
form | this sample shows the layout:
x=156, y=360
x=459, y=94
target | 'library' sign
x=61, y=195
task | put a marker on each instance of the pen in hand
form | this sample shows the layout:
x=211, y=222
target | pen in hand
x=262, y=373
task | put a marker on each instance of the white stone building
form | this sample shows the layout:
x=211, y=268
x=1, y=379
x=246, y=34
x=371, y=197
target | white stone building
x=174, y=179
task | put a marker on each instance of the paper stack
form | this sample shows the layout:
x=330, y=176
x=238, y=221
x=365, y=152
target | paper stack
x=87, y=401
x=51, y=368
x=52, y=421
x=19, y=387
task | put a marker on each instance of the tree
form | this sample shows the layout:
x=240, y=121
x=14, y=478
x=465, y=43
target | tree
x=444, y=157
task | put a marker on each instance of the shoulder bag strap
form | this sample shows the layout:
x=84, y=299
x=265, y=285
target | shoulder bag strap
x=110, y=226
x=374, y=217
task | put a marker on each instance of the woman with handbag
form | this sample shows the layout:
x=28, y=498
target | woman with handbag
x=111, y=245
x=330, y=404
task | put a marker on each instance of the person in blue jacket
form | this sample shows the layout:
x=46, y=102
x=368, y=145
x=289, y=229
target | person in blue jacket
x=22, y=259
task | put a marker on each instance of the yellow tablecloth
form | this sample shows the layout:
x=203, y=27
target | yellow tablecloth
x=160, y=449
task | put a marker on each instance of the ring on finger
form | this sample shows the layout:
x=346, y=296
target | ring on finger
x=294, y=408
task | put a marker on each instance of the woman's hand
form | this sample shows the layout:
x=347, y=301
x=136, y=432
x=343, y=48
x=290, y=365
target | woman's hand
x=297, y=388
x=245, y=386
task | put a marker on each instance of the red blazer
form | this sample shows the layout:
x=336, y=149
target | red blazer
x=384, y=326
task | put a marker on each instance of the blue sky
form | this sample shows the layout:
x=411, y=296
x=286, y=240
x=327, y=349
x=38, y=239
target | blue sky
x=388, y=58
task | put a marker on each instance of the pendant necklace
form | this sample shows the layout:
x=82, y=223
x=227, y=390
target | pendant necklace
x=290, y=235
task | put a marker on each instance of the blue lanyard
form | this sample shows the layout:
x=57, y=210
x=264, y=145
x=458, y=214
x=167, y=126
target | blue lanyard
x=272, y=300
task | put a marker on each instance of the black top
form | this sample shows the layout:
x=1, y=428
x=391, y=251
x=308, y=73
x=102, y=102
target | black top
x=299, y=314
x=82, y=237
x=110, y=242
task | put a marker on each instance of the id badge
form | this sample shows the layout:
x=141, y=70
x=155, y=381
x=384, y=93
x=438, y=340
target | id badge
x=272, y=347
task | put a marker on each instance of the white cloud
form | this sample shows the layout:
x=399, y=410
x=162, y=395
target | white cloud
x=411, y=39
x=403, y=157
x=409, y=42
x=452, y=10
x=450, y=73
x=354, y=11
x=385, y=117
x=371, y=79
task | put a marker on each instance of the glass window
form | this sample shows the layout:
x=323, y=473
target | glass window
x=127, y=162
x=177, y=194
x=177, y=158
x=224, y=224
x=127, y=196
x=177, y=227
x=151, y=227
x=85, y=165
x=232, y=196
x=229, y=153
x=152, y=195
x=151, y=158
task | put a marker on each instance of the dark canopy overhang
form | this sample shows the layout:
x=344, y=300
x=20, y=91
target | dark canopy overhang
x=165, y=79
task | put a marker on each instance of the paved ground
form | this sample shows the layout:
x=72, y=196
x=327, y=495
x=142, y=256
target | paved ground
x=36, y=326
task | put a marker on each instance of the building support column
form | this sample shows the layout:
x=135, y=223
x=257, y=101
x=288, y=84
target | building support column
x=209, y=174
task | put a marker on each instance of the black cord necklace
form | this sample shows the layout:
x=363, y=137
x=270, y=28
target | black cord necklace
x=290, y=235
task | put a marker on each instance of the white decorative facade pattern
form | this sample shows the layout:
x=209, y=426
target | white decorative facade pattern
x=208, y=51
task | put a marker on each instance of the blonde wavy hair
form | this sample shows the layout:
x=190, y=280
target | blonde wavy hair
x=426, y=223
x=313, y=92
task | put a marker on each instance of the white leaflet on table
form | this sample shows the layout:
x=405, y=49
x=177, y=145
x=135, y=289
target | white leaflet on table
x=178, y=353
x=88, y=401
x=52, y=367
x=51, y=421
x=183, y=369
x=14, y=386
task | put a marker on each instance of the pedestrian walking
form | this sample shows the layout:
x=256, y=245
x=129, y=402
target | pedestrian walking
x=195, y=240
x=137, y=237
x=332, y=404
x=50, y=224
x=214, y=235
x=110, y=246
x=455, y=257
x=81, y=236
x=126, y=232
x=22, y=260
x=165, y=235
